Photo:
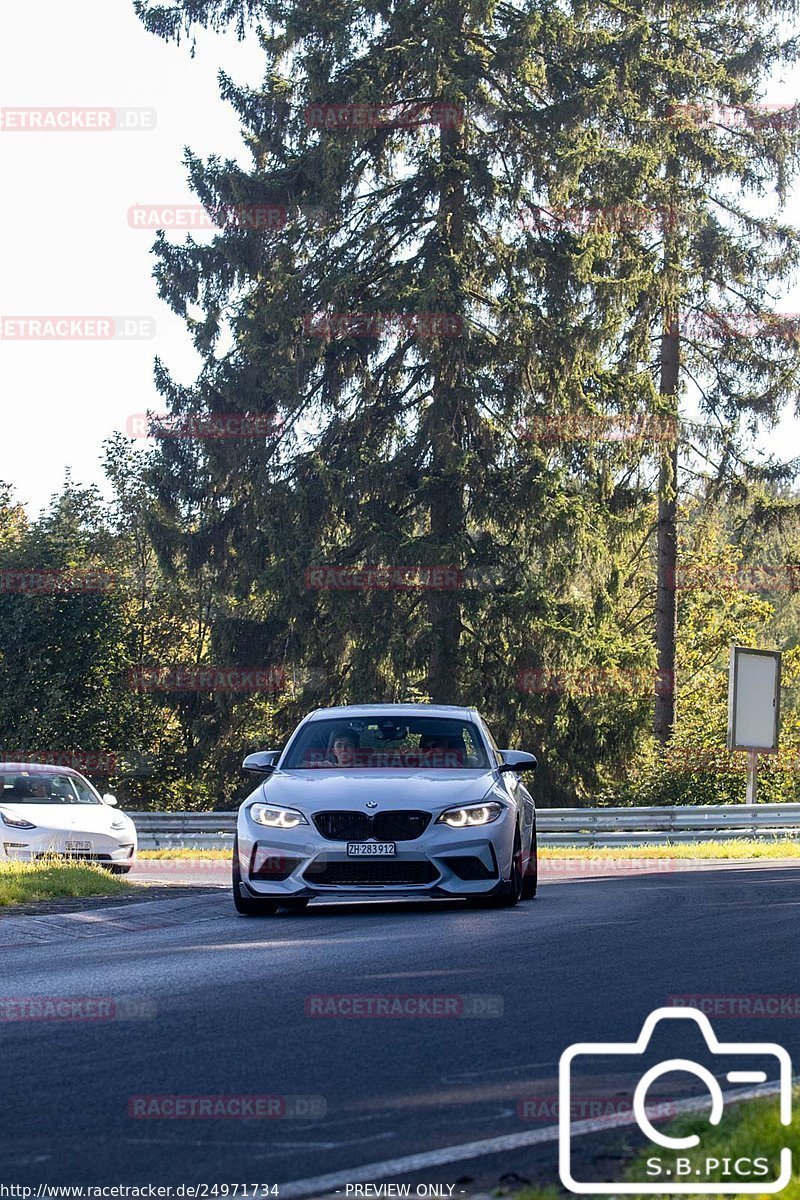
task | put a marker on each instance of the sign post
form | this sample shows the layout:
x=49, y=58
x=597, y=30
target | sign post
x=752, y=777
x=754, y=704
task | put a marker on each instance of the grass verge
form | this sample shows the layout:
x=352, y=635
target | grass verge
x=748, y=1132
x=731, y=848
x=50, y=879
x=224, y=855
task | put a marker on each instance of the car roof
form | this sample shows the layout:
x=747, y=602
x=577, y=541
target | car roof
x=399, y=710
x=29, y=768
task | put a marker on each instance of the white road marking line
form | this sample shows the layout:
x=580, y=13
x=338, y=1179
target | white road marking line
x=321, y=1186
x=470, y=1076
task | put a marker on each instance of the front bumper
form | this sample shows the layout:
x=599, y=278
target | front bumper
x=27, y=845
x=441, y=862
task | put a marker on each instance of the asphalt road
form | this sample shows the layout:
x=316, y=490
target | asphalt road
x=204, y=1003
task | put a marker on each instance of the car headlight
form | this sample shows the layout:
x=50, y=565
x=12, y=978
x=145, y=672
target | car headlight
x=470, y=814
x=276, y=818
x=17, y=822
x=120, y=823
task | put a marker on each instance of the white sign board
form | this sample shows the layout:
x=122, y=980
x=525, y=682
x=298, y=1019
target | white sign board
x=754, y=692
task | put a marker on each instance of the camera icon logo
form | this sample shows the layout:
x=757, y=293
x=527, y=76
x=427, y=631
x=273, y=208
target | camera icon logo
x=682, y=1167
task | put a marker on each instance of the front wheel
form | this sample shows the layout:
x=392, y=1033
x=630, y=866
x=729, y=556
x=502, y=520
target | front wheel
x=247, y=906
x=530, y=876
x=511, y=892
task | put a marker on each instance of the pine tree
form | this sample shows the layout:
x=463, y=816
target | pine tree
x=684, y=159
x=398, y=445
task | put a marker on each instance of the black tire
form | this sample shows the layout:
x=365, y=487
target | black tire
x=511, y=892
x=120, y=868
x=247, y=906
x=298, y=904
x=530, y=878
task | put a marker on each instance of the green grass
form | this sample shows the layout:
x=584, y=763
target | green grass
x=750, y=1130
x=747, y=1130
x=199, y=854
x=731, y=848
x=50, y=879
x=549, y=1193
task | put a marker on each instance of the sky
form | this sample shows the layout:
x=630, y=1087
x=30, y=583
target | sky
x=69, y=245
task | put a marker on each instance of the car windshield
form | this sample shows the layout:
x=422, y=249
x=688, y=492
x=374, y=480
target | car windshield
x=40, y=787
x=384, y=741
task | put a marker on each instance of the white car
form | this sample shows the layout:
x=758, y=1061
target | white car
x=53, y=810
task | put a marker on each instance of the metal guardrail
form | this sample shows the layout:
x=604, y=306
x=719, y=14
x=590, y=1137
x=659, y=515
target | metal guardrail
x=666, y=826
x=557, y=826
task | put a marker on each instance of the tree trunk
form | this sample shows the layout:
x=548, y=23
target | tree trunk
x=667, y=535
x=446, y=425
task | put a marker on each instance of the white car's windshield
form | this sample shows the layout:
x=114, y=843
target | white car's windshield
x=41, y=787
x=387, y=742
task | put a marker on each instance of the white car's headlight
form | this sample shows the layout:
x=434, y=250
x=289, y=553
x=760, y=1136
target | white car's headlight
x=470, y=814
x=17, y=822
x=120, y=823
x=276, y=818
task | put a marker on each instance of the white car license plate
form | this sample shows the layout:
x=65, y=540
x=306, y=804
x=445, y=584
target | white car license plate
x=371, y=849
x=77, y=847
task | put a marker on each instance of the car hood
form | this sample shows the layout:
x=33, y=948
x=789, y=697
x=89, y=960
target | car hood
x=88, y=818
x=313, y=790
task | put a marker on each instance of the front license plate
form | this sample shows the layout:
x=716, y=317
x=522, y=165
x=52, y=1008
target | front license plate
x=77, y=847
x=371, y=849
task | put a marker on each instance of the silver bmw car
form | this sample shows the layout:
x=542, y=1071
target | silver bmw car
x=390, y=800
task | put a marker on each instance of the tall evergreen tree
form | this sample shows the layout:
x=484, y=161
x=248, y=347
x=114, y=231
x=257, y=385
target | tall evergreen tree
x=687, y=172
x=400, y=445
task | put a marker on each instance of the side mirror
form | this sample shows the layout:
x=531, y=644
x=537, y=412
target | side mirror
x=263, y=762
x=517, y=760
x=110, y=800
